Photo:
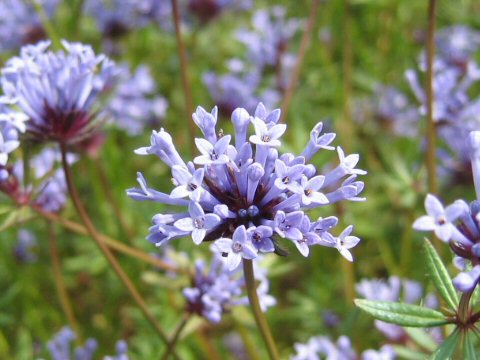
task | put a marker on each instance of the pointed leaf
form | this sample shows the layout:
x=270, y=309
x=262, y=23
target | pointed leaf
x=402, y=314
x=468, y=347
x=448, y=347
x=440, y=277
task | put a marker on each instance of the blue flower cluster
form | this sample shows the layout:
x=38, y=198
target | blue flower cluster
x=266, y=46
x=455, y=74
x=20, y=24
x=133, y=105
x=247, y=197
x=322, y=347
x=217, y=290
x=60, y=347
x=459, y=225
x=47, y=187
x=56, y=90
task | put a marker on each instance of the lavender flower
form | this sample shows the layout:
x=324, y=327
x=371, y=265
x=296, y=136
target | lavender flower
x=250, y=186
x=20, y=24
x=321, y=347
x=57, y=90
x=459, y=225
x=26, y=242
x=114, y=18
x=455, y=72
x=60, y=346
x=268, y=40
x=133, y=105
x=48, y=188
x=217, y=290
x=391, y=109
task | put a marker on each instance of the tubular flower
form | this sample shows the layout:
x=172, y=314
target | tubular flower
x=216, y=291
x=247, y=197
x=57, y=90
x=459, y=225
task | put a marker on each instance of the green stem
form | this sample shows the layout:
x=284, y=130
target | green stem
x=47, y=24
x=304, y=43
x=132, y=290
x=431, y=131
x=59, y=281
x=182, y=54
x=176, y=335
x=260, y=318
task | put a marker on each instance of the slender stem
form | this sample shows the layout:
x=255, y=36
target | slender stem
x=47, y=24
x=464, y=308
x=304, y=44
x=59, y=281
x=107, y=190
x=132, y=290
x=176, y=335
x=111, y=243
x=260, y=318
x=346, y=125
x=431, y=133
x=182, y=54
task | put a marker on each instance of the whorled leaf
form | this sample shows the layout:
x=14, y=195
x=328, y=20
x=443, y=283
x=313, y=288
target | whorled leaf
x=447, y=349
x=402, y=314
x=468, y=347
x=440, y=277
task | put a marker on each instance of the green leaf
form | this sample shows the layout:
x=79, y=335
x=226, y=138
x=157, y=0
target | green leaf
x=402, y=314
x=408, y=354
x=422, y=338
x=440, y=277
x=448, y=347
x=468, y=347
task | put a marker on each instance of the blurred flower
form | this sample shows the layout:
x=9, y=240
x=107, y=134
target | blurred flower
x=57, y=90
x=47, y=187
x=133, y=105
x=251, y=197
x=455, y=73
x=459, y=225
x=26, y=242
x=267, y=42
x=60, y=347
x=390, y=109
x=11, y=124
x=217, y=290
x=20, y=23
x=114, y=18
x=247, y=82
x=321, y=347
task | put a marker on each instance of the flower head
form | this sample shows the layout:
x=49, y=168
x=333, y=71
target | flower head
x=459, y=224
x=247, y=197
x=57, y=90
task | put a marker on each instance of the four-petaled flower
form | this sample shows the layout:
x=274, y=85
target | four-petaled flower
x=198, y=222
x=234, y=249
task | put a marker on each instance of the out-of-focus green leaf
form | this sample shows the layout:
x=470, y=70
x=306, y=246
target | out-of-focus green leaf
x=408, y=354
x=447, y=349
x=402, y=314
x=468, y=347
x=440, y=277
x=422, y=338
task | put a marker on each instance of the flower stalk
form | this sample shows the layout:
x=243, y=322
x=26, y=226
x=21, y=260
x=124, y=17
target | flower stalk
x=260, y=318
x=138, y=299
